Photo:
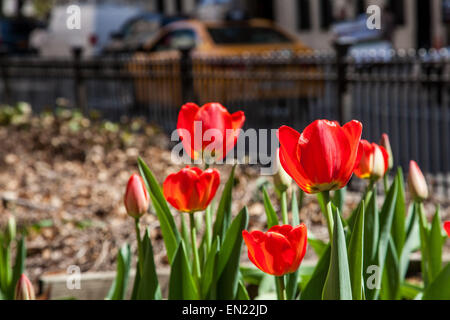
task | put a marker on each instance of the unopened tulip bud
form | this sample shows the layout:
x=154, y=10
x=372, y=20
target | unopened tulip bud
x=281, y=179
x=24, y=289
x=417, y=183
x=137, y=199
x=384, y=142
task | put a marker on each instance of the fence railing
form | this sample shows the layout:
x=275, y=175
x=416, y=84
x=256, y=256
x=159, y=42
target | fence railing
x=405, y=94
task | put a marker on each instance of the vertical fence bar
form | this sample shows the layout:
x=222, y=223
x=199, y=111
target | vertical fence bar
x=80, y=89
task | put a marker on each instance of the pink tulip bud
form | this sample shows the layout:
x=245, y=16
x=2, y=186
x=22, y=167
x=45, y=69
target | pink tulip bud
x=24, y=289
x=417, y=183
x=384, y=142
x=137, y=199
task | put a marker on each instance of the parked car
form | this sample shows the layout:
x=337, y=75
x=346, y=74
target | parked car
x=136, y=31
x=15, y=34
x=97, y=23
x=221, y=42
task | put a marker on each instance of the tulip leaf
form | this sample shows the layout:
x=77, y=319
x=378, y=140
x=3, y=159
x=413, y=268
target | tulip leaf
x=435, y=246
x=439, y=289
x=424, y=245
x=386, y=218
x=272, y=219
x=319, y=246
x=338, y=284
x=242, y=293
x=19, y=265
x=137, y=281
x=356, y=254
x=398, y=223
x=169, y=230
x=119, y=286
x=339, y=198
x=223, y=214
x=181, y=282
x=391, y=275
x=371, y=235
x=229, y=257
x=148, y=285
x=313, y=289
x=411, y=243
x=292, y=279
x=210, y=265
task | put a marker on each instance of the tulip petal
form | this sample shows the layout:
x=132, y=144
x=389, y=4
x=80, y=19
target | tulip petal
x=254, y=241
x=185, y=126
x=278, y=253
x=289, y=139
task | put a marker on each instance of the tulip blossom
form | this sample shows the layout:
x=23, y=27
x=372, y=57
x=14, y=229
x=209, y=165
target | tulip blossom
x=374, y=162
x=191, y=189
x=323, y=157
x=136, y=199
x=210, y=131
x=447, y=227
x=24, y=289
x=416, y=182
x=386, y=144
x=278, y=251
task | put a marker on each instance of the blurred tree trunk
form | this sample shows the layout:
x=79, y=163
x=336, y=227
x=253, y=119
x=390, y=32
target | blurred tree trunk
x=1, y=8
x=19, y=6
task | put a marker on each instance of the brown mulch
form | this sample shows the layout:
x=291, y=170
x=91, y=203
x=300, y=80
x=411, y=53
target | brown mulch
x=63, y=178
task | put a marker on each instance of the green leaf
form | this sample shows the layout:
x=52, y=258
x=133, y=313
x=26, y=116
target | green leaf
x=409, y=291
x=181, y=282
x=272, y=219
x=411, y=243
x=398, y=223
x=339, y=198
x=148, y=284
x=314, y=287
x=338, y=284
x=242, y=293
x=223, y=214
x=19, y=265
x=319, y=246
x=229, y=258
x=371, y=235
x=391, y=275
x=386, y=217
x=435, y=246
x=169, y=230
x=424, y=245
x=210, y=265
x=356, y=254
x=439, y=289
x=119, y=286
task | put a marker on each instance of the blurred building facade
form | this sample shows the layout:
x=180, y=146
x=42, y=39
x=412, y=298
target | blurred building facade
x=418, y=23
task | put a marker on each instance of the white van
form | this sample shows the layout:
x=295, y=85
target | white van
x=97, y=22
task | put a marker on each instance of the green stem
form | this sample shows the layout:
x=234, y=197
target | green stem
x=196, y=265
x=208, y=228
x=280, y=288
x=327, y=212
x=139, y=244
x=386, y=183
x=284, y=211
x=423, y=232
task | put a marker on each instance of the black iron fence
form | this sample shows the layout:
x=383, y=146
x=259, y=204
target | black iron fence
x=405, y=94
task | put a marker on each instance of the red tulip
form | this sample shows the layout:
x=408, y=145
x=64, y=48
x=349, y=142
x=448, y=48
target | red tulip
x=416, y=182
x=210, y=127
x=190, y=189
x=374, y=162
x=136, y=199
x=279, y=251
x=322, y=158
x=447, y=227
x=24, y=289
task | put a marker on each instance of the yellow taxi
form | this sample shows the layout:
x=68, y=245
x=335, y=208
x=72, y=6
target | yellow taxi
x=231, y=62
